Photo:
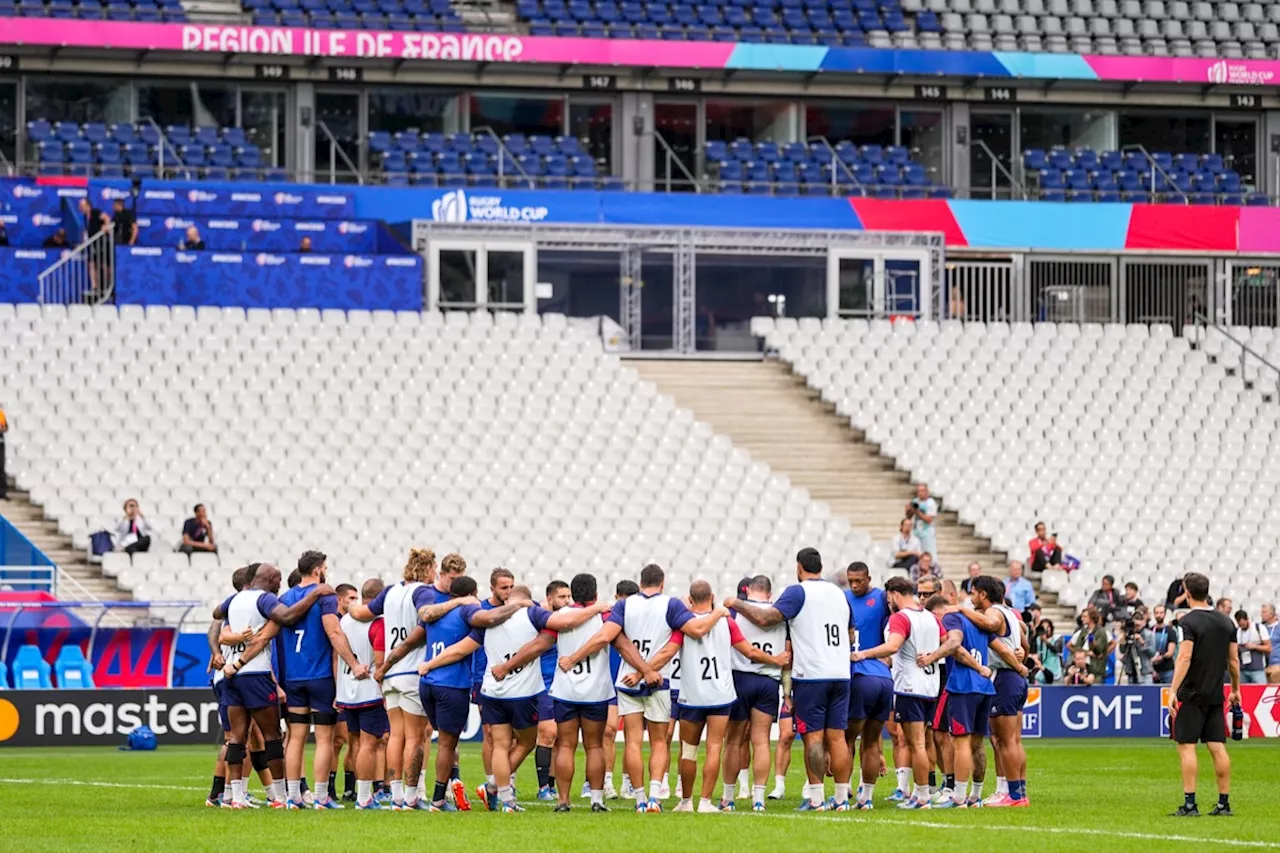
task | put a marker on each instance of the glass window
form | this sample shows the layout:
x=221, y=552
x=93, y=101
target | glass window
x=338, y=113
x=733, y=289
x=657, y=301
x=263, y=117
x=992, y=136
x=1171, y=133
x=394, y=109
x=187, y=103
x=72, y=99
x=861, y=125
x=8, y=124
x=593, y=125
x=526, y=114
x=583, y=284
x=730, y=120
x=921, y=133
x=1068, y=128
x=1237, y=142
x=675, y=145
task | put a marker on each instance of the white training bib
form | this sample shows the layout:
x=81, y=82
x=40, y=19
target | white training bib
x=243, y=613
x=350, y=691
x=645, y=624
x=401, y=617
x=706, y=679
x=590, y=680
x=771, y=641
x=1012, y=639
x=909, y=678
x=820, y=634
x=502, y=643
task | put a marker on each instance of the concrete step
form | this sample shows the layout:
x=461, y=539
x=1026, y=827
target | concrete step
x=43, y=533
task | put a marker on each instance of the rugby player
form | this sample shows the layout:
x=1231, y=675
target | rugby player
x=360, y=700
x=500, y=583
x=558, y=596
x=347, y=594
x=870, y=685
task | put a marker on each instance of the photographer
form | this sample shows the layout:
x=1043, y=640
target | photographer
x=1135, y=649
x=1078, y=673
x=1164, y=644
x=1046, y=652
x=923, y=511
x=1092, y=639
x=906, y=547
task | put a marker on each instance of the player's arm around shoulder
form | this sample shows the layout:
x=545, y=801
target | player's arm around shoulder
x=493, y=618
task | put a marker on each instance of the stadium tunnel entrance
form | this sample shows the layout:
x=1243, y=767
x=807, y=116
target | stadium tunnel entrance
x=681, y=289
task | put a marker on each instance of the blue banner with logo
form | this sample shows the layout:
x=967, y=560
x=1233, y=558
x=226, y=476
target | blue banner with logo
x=1103, y=711
x=20, y=272
x=31, y=213
x=155, y=276
x=216, y=199
x=261, y=235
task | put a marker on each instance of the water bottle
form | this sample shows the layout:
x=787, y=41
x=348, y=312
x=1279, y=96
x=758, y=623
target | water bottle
x=1237, y=722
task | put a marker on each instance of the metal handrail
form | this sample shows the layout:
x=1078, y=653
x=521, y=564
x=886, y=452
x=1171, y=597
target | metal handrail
x=10, y=170
x=1014, y=183
x=673, y=157
x=836, y=161
x=63, y=284
x=336, y=150
x=165, y=143
x=503, y=155
x=1203, y=324
x=1156, y=167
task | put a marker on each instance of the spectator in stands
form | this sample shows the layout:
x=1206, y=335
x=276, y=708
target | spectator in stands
x=1131, y=602
x=124, y=223
x=1254, y=647
x=925, y=568
x=192, y=242
x=1046, y=652
x=133, y=533
x=906, y=547
x=956, y=305
x=4, y=235
x=1044, y=550
x=94, y=220
x=966, y=585
x=197, y=533
x=1080, y=673
x=56, y=240
x=1106, y=599
x=305, y=245
x=1164, y=643
x=923, y=511
x=99, y=256
x=1269, y=622
x=1018, y=590
x=4, y=480
x=1093, y=641
x=1224, y=606
x=1176, y=597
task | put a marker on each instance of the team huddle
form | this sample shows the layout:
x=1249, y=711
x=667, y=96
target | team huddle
x=383, y=668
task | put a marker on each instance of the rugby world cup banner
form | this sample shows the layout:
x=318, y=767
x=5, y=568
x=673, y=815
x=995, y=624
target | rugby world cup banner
x=511, y=48
x=1133, y=711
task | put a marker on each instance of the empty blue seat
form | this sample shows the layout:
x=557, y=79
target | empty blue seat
x=72, y=670
x=30, y=671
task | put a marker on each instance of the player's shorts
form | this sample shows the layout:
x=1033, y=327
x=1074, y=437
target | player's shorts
x=755, y=692
x=870, y=697
x=446, y=708
x=675, y=704
x=521, y=713
x=912, y=709
x=596, y=712
x=969, y=714
x=401, y=692
x=655, y=706
x=220, y=691
x=370, y=719
x=1203, y=723
x=699, y=715
x=613, y=700
x=546, y=706
x=939, y=723
x=818, y=705
x=475, y=693
x=1011, y=694
x=316, y=694
x=251, y=690
x=784, y=711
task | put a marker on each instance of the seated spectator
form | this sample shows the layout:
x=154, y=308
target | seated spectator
x=1254, y=647
x=1176, y=597
x=1018, y=590
x=923, y=512
x=4, y=236
x=305, y=245
x=57, y=240
x=1272, y=625
x=925, y=568
x=966, y=585
x=1079, y=673
x=192, y=242
x=1131, y=602
x=197, y=533
x=906, y=547
x=1164, y=643
x=1093, y=641
x=1106, y=599
x=1044, y=550
x=1224, y=606
x=1046, y=653
x=133, y=533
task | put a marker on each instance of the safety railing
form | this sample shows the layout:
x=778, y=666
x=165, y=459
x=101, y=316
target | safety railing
x=164, y=148
x=84, y=275
x=338, y=153
x=838, y=168
x=505, y=158
x=1253, y=368
x=666, y=182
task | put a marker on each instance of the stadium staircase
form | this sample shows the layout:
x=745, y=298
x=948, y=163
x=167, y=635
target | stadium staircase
x=214, y=11
x=771, y=413
x=29, y=518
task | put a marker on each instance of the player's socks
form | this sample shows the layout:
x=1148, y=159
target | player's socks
x=364, y=792
x=744, y=780
x=641, y=799
x=237, y=791
x=866, y=792
x=730, y=788
x=655, y=790
x=322, y=790
x=294, y=789
x=1017, y=790
x=348, y=781
x=685, y=805
x=1002, y=786
x=276, y=791
x=597, y=796
x=219, y=785
x=757, y=793
x=506, y=794
x=975, y=789
x=437, y=795
x=303, y=783
x=410, y=794
x=455, y=772
x=542, y=761
x=933, y=780
x=904, y=778
x=842, y=793
x=397, y=791
x=920, y=793
x=333, y=780
x=949, y=781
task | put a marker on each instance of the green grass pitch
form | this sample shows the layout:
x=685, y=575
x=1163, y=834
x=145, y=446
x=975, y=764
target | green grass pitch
x=1095, y=795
